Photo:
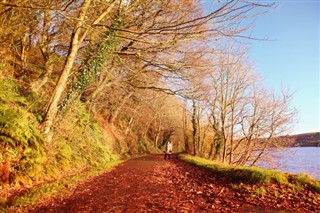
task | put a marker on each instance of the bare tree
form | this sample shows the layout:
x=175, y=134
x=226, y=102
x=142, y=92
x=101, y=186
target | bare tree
x=152, y=32
x=79, y=33
x=243, y=112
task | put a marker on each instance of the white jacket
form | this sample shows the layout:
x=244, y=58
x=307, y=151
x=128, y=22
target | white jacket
x=169, y=148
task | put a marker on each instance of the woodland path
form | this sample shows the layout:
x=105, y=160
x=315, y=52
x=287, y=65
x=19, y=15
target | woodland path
x=151, y=184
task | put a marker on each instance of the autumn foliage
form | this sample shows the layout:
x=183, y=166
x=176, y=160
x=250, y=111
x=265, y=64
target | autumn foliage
x=86, y=83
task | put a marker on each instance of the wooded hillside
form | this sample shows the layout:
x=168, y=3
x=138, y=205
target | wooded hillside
x=84, y=83
x=306, y=139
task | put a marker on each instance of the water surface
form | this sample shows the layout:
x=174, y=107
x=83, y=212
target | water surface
x=295, y=160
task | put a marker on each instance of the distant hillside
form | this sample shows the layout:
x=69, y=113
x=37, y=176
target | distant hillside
x=306, y=139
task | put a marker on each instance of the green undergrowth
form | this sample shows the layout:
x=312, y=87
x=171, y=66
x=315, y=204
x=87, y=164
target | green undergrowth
x=250, y=174
x=78, y=143
x=21, y=144
x=79, y=147
x=59, y=188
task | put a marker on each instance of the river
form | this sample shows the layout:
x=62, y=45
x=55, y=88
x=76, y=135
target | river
x=295, y=160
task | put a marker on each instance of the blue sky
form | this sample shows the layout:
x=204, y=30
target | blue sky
x=291, y=59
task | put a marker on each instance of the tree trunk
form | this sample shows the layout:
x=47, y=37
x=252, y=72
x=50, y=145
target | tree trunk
x=158, y=133
x=243, y=159
x=195, y=128
x=23, y=53
x=52, y=109
x=199, y=132
x=46, y=53
x=212, y=151
x=129, y=126
x=185, y=135
x=204, y=136
x=224, y=156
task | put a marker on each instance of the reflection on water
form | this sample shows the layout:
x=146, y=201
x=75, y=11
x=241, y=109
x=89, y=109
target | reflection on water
x=295, y=160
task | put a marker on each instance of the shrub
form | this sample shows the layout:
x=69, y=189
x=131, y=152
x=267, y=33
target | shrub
x=21, y=143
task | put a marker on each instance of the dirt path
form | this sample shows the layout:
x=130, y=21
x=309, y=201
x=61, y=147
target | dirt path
x=150, y=184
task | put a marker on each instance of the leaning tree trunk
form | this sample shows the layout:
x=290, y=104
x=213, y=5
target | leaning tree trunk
x=52, y=109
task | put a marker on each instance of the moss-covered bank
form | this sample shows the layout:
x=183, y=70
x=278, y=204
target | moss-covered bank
x=253, y=174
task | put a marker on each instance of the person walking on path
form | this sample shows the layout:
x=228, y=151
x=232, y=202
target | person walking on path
x=168, y=150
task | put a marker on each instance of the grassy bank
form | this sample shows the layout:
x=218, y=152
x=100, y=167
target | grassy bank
x=253, y=174
x=53, y=189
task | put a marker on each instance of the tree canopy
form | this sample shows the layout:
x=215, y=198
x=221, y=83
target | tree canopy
x=141, y=71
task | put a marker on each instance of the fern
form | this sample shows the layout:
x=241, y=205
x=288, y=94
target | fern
x=20, y=142
x=9, y=92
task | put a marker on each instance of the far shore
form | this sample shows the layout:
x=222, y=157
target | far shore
x=305, y=140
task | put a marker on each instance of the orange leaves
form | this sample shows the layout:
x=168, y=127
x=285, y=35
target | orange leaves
x=152, y=184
